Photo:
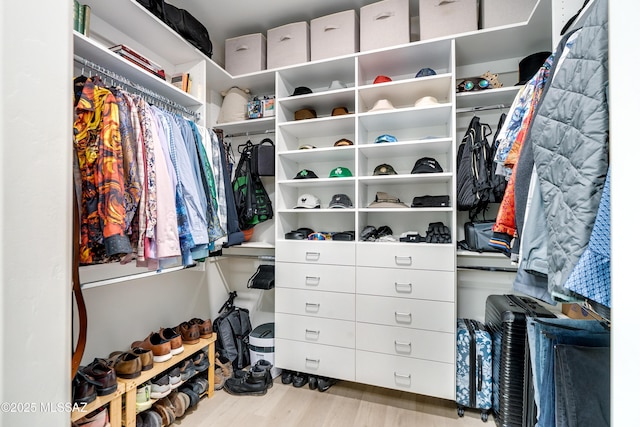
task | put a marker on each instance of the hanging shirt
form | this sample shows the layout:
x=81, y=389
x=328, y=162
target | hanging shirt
x=210, y=142
x=97, y=143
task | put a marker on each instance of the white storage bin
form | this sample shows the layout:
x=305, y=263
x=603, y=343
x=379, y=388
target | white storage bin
x=245, y=54
x=335, y=35
x=504, y=12
x=438, y=18
x=288, y=45
x=262, y=346
x=383, y=24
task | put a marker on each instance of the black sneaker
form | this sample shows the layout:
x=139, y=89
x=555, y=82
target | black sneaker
x=286, y=376
x=300, y=379
x=313, y=382
x=325, y=383
x=245, y=387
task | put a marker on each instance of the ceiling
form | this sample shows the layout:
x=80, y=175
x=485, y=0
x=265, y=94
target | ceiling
x=226, y=19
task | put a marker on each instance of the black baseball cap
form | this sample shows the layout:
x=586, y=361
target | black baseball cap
x=426, y=165
x=301, y=90
x=340, y=201
x=305, y=174
x=384, y=169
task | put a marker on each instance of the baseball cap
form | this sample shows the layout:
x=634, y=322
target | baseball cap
x=339, y=111
x=305, y=174
x=340, y=172
x=343, y=142
x=426, y=165
x=425, y=101
x=306, y=147
x=384, y=169
x=384, y=200
x=301, y=90
x=340, y=201
x=305, y=113
x=424, y=72
x=385, y=138
x=382, y=104
x=307, y=201
x=337, y=84
x=381, y=79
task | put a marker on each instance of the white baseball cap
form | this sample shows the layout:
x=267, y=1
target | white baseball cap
x=308, y=201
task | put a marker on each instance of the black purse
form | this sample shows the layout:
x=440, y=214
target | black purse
x=263, y=158
x=263, y=278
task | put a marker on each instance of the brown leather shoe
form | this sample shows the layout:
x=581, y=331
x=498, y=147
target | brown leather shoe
x=146, y=357
x=190, y=333
x=126, y=364
x=204, y=326
x=160, y=347
x=103, y=374
x=174, y=338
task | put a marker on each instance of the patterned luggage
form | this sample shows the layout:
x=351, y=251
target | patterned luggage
x=506, y=319
x=473, y=367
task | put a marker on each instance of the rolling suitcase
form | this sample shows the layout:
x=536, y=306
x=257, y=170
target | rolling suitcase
x=505, y=318
x=473, y=367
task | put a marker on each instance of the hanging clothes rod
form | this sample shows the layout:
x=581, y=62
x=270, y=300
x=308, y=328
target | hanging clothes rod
x=481, y=108
x=141, y=90
x=258, y=132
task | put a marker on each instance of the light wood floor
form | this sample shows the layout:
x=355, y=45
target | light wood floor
x=345, y=404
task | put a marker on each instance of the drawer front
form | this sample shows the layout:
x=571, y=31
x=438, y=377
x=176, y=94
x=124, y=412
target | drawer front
x=330, y=305
x=404, y=373
x=316, y=359
x=316, y=252
x=407, y=342
x=340, y=333
x=407, y=255
x=408, y=313
x=316, y=277
x=396, y=282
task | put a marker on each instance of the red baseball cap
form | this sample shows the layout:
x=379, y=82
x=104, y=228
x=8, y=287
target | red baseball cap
x=381, y=79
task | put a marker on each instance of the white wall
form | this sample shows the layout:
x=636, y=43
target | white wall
x=35, y=198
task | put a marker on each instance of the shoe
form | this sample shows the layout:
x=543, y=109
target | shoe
x=84, y=388
x=174, y=338
x=160, y=387
x=190, y=333
x=218, y=379
x=186, y=401
x=246, y=386
x=160, y=347
x=151, y=419
x=175, y=378
x=143, y=398
x=325, y=383
x=226, y=367
x=97, y=418
x=126, y=364
x=187, y=369
x=313, y=382
x=166, y=410
x=178, y=404
x=193, y=396
x=146, y=357
x=200, y=361
x=202, y=383
x=263, y=366
x=205, y=327
x=286, y=376
x=104, y=375
x=300, y=379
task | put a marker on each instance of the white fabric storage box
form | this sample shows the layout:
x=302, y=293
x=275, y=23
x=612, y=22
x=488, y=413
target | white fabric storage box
x=262, y=346
x=335, y=35
x=288, y=45
x=383, y=24
x=504, y=12
x=245, y=54
x=439, y=18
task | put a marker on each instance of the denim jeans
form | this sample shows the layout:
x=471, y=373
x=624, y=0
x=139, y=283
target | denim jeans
x=543, y=335
x=582, y=378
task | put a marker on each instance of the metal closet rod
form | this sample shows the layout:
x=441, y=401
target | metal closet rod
x=257, y=132
x=172, y=105
x=481, y=108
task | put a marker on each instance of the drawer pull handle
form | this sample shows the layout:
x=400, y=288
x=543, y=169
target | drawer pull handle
x=403, y=317
x=312, y=280
x=312, y=256
x=315, y=361
x=312, y=306
x=405, y=376
x=400, y=343
x=404, y=288
x=384, y=15
x=402, y=347
x=331, y=27
x=403, y=260
x=242, y=47
x=310, y=331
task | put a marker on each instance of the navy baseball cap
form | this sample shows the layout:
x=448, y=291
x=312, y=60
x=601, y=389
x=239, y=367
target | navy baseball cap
x=385, y=138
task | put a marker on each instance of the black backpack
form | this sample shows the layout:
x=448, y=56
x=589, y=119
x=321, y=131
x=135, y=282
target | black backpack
x=474, y=169
x=498, y=182
x=233, y=327
x=252, y=200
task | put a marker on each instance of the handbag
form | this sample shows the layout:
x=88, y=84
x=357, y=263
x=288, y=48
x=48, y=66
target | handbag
x=263, y=278
x=477, y=235
x=263, y=157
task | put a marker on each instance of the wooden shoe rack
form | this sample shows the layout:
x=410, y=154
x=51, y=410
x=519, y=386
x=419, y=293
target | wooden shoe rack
x=127, y=387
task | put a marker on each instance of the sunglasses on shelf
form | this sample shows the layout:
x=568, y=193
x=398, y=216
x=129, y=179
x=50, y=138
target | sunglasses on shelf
x=319, y=236
x=469, y=85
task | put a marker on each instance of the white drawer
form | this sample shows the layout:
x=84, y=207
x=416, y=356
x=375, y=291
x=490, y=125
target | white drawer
x=426, y=256
x=317, y=277
x=404, y=373
x=408, y=313
x=331, y=305
x=316, y=252
x=317, y=359
x=416, y=343
x=340, y=333
x=404, y=283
